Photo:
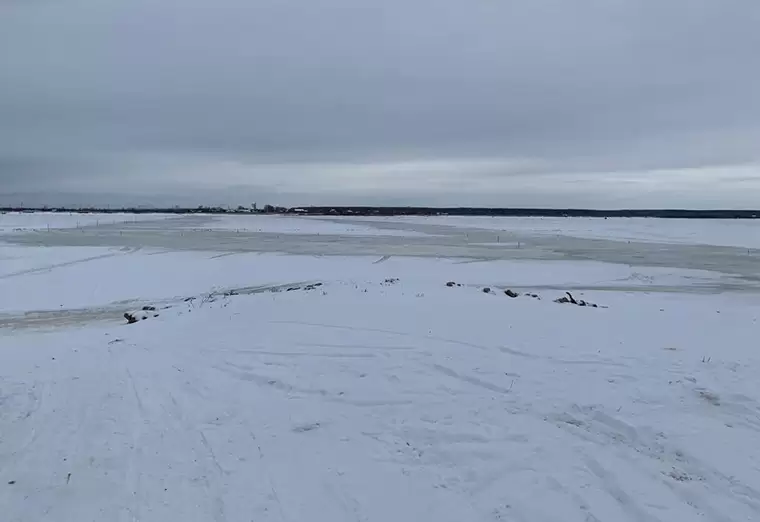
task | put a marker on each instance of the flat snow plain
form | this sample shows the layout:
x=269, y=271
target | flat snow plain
x=322, y=370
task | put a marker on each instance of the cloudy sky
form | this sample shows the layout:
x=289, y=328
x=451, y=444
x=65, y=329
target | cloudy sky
x=585, y=103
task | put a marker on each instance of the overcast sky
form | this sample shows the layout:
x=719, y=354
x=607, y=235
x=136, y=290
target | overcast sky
x=585, y=103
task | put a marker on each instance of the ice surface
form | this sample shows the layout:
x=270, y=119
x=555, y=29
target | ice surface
x=18, y=222
x=718, y=232
x=362, y=387
x=275, y=224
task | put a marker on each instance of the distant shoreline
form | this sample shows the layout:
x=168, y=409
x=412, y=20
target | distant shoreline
x=411, y=211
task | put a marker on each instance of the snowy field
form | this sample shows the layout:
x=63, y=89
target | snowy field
x=296, y=369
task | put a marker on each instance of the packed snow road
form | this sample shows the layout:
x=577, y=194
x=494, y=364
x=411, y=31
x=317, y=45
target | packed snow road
x=288, y=388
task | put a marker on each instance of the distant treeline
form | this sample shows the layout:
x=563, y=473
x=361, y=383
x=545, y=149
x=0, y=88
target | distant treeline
x=415, y=211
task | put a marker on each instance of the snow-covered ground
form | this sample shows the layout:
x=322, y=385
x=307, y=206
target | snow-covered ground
x=363, y=387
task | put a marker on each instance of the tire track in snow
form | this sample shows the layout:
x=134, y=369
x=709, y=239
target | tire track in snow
x=272, y=488
x=576, y=498
x=211, y=454
x=384, y=331
x=132, y=472
x=29, y=414
x=49, y=268
x=614, y=489
x=243, y=373
x=185, y=435
x=480, y=383
x=599, y=428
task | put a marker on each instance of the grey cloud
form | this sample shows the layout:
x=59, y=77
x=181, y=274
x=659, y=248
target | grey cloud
x=273, y=94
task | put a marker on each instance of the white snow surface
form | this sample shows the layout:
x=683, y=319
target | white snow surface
x=294, y=388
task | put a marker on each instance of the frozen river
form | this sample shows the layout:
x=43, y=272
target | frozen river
x=445, y=237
